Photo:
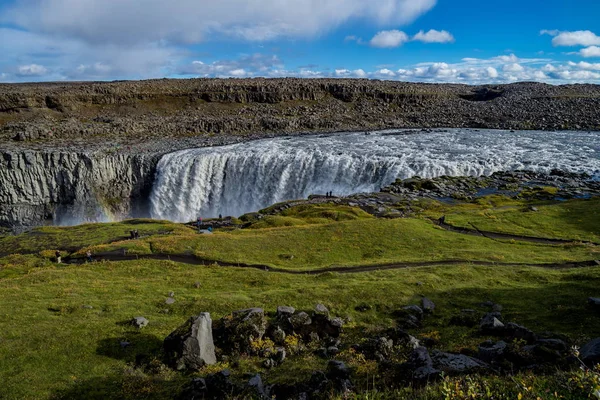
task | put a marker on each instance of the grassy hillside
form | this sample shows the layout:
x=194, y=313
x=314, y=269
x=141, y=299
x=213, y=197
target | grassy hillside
x=61, y=325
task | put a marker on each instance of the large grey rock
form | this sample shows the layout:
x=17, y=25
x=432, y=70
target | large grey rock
x=421, y=365
x=321, y=311
x=256, y=388
x=285, y=311
x=191, y=345
x=590, y=352
x=139, y=322
x=278, y=335
x=491, y=351
x=300, y=321
x=516, y=331
x=594, y=302
x=414, y=310
x=456, y=363
x=427, y=305
x=490, y=323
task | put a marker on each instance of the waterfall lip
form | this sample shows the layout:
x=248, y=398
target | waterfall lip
x=247, y=176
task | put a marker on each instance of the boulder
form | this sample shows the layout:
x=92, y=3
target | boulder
x=516, y=331
x=285, y=312
x=280, y=355
x=256, y=388
x=333, y=327
x=337, y=370
x=490, y=323
x=191, y=345
x=321, y=311
x=590, y=353
x=414, y=310
x=554, y=344
x=456, y=363
x=139, y=322
x=243, y=327
x=421, y=365
x=594, y=302
x=379, y=349
x=427, y=305
x=300, y=321
x=491, y=352
x=278, y=335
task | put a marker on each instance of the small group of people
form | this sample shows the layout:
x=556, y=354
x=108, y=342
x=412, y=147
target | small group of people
x=329, y=194
x=134, y=234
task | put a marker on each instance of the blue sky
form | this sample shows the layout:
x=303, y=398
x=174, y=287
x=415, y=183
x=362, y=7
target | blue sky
x=464, y=41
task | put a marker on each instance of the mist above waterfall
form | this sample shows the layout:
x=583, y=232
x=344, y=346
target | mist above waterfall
x=235, y=179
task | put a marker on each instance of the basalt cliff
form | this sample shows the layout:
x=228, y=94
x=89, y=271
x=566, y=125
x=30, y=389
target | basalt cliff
x=92, y=148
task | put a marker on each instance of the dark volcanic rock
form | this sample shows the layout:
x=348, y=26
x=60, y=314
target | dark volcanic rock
x=590, y=352
x=456, y=363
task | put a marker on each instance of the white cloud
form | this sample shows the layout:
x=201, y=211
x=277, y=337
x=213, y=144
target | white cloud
x=129, y=22
x=507, y=59
x=434, y=36
x=31, y=70
x=592, y=51
x=514, y=67
x=585, y=65
x=575, y=38
x=384, y=73
x=389, y=39
x=244, y=66
x=492, y=72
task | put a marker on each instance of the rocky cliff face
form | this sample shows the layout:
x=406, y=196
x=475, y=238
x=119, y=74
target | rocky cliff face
x=64, y=187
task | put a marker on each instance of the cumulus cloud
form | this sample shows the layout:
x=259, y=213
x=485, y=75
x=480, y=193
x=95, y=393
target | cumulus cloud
x=346, y=73
x=190, y=21
x=500, y=69
x=575, y=38
x=592, y=51
x=389, y=39
x=31, y=70
x=585, y=65
x=514, y=67
x=434, y=36
x=491, y=72
x=244, y=66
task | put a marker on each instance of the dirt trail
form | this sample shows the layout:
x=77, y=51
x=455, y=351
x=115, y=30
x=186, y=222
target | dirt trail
x=499, y=236
x=193, y=260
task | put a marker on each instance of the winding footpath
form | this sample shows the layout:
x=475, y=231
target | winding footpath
x=193, y=260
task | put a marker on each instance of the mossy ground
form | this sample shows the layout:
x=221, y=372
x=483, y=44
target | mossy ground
x=53, y=347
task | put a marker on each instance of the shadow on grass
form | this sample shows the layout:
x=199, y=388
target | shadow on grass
x=138, y=348
x=554, y=303
x=130, y=385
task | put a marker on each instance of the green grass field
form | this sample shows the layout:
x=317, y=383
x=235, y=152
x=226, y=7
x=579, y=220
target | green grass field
x=61, y=325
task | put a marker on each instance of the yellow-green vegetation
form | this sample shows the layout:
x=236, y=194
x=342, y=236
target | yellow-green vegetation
x=61, y=325
x=573, y=220
x=351, y=243
x=50, y=344
x=76, y=237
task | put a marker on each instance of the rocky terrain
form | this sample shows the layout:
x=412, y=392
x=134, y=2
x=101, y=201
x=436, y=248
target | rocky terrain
x=401, y=357
x=95, y=145
x=162, y=115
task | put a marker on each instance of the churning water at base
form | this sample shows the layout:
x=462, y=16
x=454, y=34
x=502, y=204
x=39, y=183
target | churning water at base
x=235, y=179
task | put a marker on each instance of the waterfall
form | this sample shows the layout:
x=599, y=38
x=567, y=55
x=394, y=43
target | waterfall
x=245, y=177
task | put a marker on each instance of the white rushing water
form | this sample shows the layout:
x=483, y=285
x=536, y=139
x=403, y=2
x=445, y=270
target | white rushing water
x=235, y=179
